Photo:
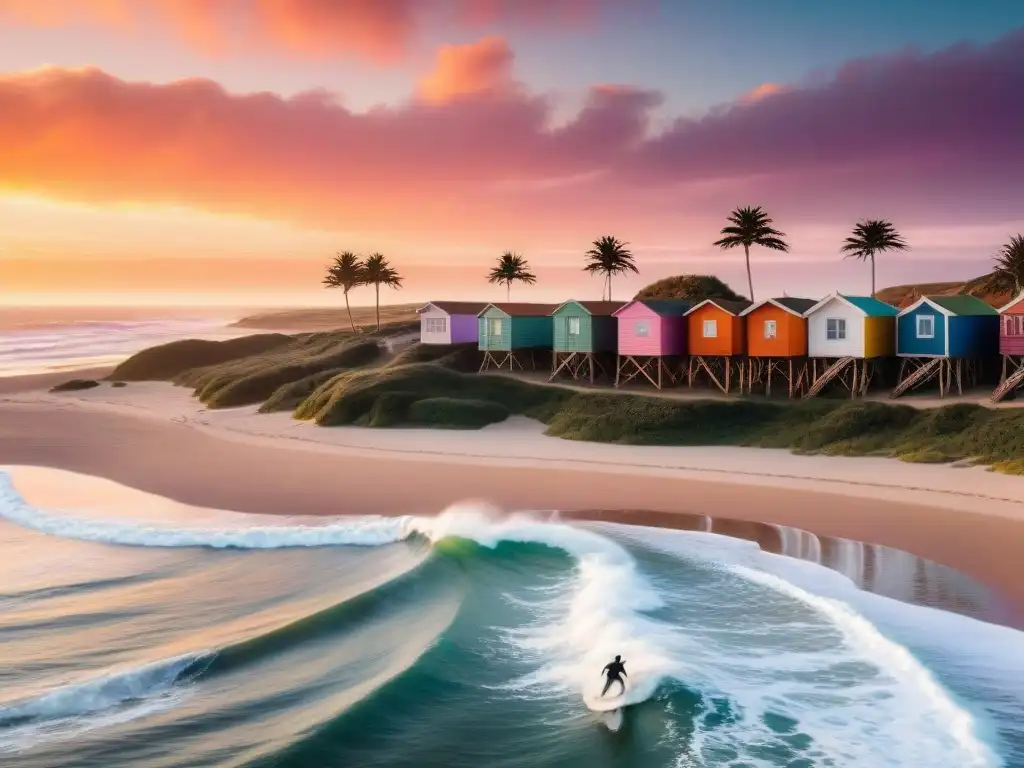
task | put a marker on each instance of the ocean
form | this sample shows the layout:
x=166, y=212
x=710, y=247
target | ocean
x=42, y=340
x=150, y=639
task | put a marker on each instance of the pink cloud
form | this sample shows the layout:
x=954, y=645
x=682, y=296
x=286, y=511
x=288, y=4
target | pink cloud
x=924, y=137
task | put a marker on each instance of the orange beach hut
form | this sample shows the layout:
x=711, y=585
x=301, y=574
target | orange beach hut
x=717, y=341
x=777, y=341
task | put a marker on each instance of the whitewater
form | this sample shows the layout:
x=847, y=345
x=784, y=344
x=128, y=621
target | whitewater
x=735, y=657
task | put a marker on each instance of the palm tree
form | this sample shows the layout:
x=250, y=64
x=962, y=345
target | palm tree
x=512, y=268
x=751, y=226
x=345, y=272
x=1009, y=272
x=609, y=256
x=873, y=236
x=377, y=272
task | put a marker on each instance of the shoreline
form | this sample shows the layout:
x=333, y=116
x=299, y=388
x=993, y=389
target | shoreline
x=157, y=438
x=876, y=569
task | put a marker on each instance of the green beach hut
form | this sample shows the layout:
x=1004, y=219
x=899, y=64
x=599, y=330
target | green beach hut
x=510, y=334
x=585, y=338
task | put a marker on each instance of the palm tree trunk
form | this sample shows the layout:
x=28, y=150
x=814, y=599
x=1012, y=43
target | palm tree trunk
x=750, y=279
x=609, y=286
x=349, y=310
x=508, y=291
x=377, y=287
x=872, y=275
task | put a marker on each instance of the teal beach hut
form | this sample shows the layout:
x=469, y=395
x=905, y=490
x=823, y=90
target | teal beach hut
x=585, y=338
x=510, y=334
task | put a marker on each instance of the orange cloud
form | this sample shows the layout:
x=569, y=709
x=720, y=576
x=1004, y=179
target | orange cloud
x=84, y=135
x=461, y=70
x=378, y=29
x=764, y=90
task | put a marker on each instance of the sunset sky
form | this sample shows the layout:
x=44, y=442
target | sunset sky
x=220, y=151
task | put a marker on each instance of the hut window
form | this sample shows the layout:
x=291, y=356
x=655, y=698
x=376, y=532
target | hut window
x=770, y=329
x=494, y=326
x=1020, y=325
x=926, y=326
x=642, y=328
x=437, y=325
x=835, y=328
x=710, y=329
x=574, y=326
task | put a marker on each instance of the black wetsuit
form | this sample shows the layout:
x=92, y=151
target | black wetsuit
x=615, y=671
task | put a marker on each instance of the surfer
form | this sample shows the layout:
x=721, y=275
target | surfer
x=615, y=671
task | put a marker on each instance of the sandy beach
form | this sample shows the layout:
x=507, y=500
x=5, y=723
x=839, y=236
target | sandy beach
x=156, y=438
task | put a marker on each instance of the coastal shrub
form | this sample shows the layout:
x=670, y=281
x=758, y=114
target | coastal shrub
x=349, y=398
x=166, y=361
x=457, y=357
x=247, y=388
x=456, y=413
x=288, y=396
x=75, y=385
x=863, y=427
x=389, y=410
x=644, y=420
x=925, y=456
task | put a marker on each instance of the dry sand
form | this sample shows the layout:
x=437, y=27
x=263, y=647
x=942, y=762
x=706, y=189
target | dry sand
x=156, y=438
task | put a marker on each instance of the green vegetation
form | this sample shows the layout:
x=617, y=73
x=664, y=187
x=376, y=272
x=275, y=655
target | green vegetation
x=337, y=379
x=166, y=361
x=511, y=268
x=871, y=237
x=75, y=385
x=751, y=226
x=609, y=256
x=695, y=288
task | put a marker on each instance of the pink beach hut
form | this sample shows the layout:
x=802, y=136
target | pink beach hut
x=652, y=340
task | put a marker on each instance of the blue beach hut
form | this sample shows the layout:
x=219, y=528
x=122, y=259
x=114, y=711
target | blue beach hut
x=947, y=337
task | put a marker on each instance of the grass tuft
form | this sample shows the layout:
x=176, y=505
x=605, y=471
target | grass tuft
x=75, y=385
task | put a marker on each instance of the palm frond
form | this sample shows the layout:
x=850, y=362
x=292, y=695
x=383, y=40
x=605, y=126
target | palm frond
x=1008, y=274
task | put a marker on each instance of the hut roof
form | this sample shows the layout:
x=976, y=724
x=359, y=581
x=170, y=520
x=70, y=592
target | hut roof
x=595, y=308
x=1013, y=302
x=667, y=307
x=521, y=309
x=457, y=307
x=733, y=307
x=955, y=306
x=791, y=304
x=870, y=306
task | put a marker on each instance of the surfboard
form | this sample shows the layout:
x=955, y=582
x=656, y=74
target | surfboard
x=612, y=720
x=596, y=703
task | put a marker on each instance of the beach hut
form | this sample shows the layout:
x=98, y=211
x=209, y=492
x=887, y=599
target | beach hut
x=777, y=343
x=847, y=336
x=1011, y=347
x=510, y=334
x=717, y=342
x=946, y=337
x=651, y=340
x=449, y=322
x=585, y=338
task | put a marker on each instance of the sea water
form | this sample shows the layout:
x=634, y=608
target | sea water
x=471, y=639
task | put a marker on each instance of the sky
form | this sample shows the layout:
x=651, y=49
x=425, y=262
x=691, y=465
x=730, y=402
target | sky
x=221, y=151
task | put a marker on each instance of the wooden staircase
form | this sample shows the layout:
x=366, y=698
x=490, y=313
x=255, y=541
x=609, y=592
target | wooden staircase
x=828, y=374
x=1009, y=384
x=920, y=376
